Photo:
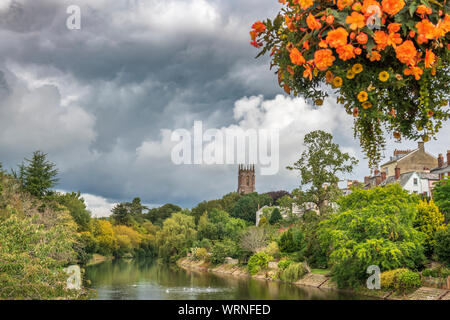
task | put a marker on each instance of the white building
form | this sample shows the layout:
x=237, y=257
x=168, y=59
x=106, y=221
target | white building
x=414, y=182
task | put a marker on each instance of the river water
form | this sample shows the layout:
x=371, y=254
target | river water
x=146, y=279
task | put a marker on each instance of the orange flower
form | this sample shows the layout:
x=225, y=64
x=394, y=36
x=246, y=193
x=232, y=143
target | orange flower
x=394, y=27
x=296, y=57
x=323, y=59
x=415, y=71
x=430, y=58
x=355, y=20
x=337, y=38
x=342, y=4
x=253, y=35
x=306, y=45
x=259, y=27
x=305, y=4
x=381, y=39
x=426, y=29
x=346, y=52
x=368, y=7
x=412, y=34
x=323, y=44
x=289, y=23
x=358, y=51
x=423, y=9
x=329, y=77
x=374, y=56
x=394, y=39
x=392, y=6
x=406, y=53
x=308, y=72
x=312, y=22
x=330, y=19
x=362, y=38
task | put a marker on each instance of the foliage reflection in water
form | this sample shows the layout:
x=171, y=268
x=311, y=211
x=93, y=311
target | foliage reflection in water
x=146, y=279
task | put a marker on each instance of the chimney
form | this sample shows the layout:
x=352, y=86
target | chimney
x=441, y=160
x=366, y=180
x=378, y=180
x=397, y=173
x=383, y=176
x=376, y=172
x=448, y=157
x=422, y=146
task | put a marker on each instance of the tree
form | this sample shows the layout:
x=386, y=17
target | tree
x=275, y=216
x=128, y=213
x=319, y=165
x=218, y=225
x=247, y=206
x=372, y=227
x=176, y=236
x=441, y=195
x=77, y=208
x=37, y=175
x=254, y=239
x=442, y=246
x=428, y=220
x=158, y=215
x=276, y=195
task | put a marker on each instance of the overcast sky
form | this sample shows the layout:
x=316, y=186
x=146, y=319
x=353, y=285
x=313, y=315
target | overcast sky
x=101, y=101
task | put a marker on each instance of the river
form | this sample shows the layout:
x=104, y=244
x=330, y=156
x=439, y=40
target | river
x=146, y=279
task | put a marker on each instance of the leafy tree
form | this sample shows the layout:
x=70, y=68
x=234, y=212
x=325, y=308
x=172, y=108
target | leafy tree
x=428, y=220
x=176, y=236
x=275, y=216
x=247, y=206
x=105, y=237
x=442, y=246
x=128, y=213
x=218, y=225
x=441, y=195
x=254, y=239
x=319, y=166
x=205, y=206
x=372, y=227
x=276, y=195
x=77, y=208
x=293, y=241
x=158, y=215
x=229, y=200
x=37, y=175
x=223, y=249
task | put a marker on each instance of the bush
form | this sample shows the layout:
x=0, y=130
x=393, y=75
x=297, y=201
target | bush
x=440, y=272
x=222, y=250
x=283, y=264
x=293, y=272
x=275, y=216
x=400, y=280
x=372, y=227
x=442, y=245
x=262, y=222
x=258, y=262
x=272, y=249
x=428, y=220
x=200, y=254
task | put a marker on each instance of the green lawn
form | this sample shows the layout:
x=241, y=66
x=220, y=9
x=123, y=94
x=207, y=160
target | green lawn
x=320, y=271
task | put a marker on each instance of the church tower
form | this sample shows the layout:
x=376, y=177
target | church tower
x=246, y=179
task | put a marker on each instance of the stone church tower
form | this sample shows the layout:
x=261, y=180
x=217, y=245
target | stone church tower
x=246, y=179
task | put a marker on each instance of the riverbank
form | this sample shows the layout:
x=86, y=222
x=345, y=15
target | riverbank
x=314, y=280
x=97, y=259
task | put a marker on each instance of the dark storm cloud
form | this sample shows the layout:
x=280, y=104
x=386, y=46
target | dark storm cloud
x=95, y=98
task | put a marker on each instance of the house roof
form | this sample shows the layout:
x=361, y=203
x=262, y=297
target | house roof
x=404, y=178
x=445, y=168
x=399, y=157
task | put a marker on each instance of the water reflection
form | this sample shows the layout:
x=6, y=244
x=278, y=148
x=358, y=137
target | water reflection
x=146, y=279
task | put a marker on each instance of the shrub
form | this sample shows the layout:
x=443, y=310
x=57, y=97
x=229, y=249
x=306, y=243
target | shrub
x=293, y=272
x=262, y=222
x=401, y=280
x=283, y=264
x=200, y=254
x=372, y=227
x=442, y=245
x=258, y=262
x=275, y=216
x=428, y=220
x=272, y=249
x=222, y=250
